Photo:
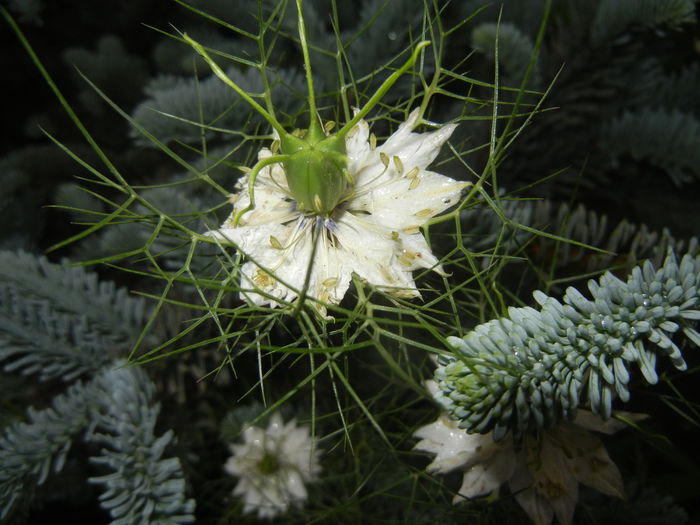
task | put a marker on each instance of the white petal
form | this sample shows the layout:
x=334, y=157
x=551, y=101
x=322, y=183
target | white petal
x=452, y=446
x=401, y=208
x=536, y=506
x=416, y=149
x=488, y=474
x=543, y=467
x=369, y=250
x=415, y=253
x=357, y=147
x=590, y=462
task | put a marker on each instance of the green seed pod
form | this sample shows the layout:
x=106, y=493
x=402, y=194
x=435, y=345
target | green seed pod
x=316, y=170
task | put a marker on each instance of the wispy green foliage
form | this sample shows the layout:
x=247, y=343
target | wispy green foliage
x=169, y=247
x=355, y=379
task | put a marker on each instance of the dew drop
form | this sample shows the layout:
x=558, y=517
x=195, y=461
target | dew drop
x=391, y=35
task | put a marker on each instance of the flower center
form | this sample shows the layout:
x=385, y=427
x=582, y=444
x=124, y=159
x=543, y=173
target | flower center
x=269, y=464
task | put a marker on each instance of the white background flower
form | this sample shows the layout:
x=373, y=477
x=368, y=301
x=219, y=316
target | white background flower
x=543, y=474
x=374, y=232
x=273, y=466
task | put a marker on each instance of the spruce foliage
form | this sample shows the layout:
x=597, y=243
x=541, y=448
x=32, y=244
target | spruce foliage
x=534, y=368
x=62, y=323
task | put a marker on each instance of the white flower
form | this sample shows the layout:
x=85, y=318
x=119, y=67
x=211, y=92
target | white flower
x=273, y=466
x=374, y=232
x=543, y=474
x=545, y=482
x=486, y=464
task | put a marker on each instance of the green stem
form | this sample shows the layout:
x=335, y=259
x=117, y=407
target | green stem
x=314, y=126
x=224, y=77
x=275, y=159
x=383, y=88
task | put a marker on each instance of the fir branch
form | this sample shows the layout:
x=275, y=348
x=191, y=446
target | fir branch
x=617, y=16
x=73, y=290
x=36, y=339
x=678, y=91
x=143, y=487
x=107, y=66
x=208, y=102
x=514, y=47
x=488, y=233
x=530, y=370
x=30, y=451
x=667, y=139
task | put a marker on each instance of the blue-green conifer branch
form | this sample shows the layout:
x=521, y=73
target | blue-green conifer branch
x=45, y=330
x=31, y=451
x=533, y=369
x=142, y=486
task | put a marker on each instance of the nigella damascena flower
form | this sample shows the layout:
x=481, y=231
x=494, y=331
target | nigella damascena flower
x=274, y=465
x=372, y=230
x=542, y=472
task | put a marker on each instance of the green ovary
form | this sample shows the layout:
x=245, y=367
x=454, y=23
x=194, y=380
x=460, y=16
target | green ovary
x=316, y=171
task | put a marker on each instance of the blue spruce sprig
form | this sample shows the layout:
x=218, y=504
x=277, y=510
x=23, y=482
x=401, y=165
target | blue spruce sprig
x=30, y=451
x=142, y=487
x=532, y=370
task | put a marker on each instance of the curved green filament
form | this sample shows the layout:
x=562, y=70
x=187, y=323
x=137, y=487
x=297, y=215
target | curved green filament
x=383, y=88
x=275, y=159
x=224, y=77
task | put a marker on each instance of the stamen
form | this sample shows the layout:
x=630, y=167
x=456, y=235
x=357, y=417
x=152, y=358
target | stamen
x=274, y=242
x=328, y=126
x=275, y=146
x=372, y=141
x=263, y=279
x=349, y=177
x=390, y=278
x=384, y=158
x=398, y=164
x=411, y=174
x=317, y=203
x=427, y=212
x=330, y=282
x=415, y=181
